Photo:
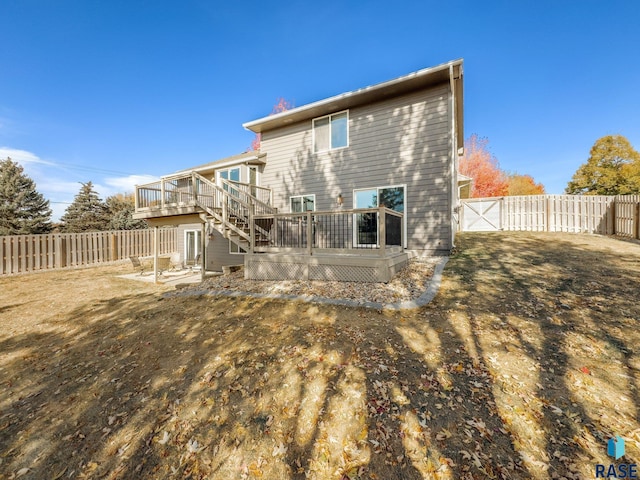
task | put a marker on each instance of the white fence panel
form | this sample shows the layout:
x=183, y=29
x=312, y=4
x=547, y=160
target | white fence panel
x=605, y=215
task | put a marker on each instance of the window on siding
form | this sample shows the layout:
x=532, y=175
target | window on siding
x=302, y=203
x=233, y=248
x=331, y=132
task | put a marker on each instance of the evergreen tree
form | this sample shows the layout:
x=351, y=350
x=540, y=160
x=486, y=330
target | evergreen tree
x=87, y=213
x=22, y=209
x=121, y=208
x=613, y=168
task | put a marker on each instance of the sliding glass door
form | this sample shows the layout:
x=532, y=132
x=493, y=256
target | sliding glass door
x=366, y=224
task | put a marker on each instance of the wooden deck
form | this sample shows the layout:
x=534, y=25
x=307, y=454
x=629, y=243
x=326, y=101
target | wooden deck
x=360, y=245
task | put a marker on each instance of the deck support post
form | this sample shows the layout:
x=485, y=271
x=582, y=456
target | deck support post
x=203, y=251
x=225, y=213
x=252, y=228
x=156, y=247
x=382, y=233
x=309, y=234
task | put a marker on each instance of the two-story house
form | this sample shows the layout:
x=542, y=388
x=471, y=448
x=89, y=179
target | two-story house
x=345, y=188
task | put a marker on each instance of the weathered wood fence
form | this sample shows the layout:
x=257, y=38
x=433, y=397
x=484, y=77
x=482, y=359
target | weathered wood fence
x=30, y=253
x=606, y=215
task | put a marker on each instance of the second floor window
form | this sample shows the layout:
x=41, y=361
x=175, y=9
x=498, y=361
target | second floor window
x=331, y=132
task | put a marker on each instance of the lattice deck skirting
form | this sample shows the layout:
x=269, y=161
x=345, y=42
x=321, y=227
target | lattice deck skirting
x=342, y=268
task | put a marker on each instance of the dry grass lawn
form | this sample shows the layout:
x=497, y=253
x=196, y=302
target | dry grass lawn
x=527, y=361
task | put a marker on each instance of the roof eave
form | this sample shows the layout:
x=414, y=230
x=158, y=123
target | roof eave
x=398, y=86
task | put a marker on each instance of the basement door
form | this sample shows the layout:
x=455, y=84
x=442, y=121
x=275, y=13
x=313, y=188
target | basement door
x=192, y=242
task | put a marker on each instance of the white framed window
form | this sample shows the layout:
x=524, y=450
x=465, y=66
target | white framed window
x=232, y=174
x=235, y=249
x=331, y=132
x=302, y=203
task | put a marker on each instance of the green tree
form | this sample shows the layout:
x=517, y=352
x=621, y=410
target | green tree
x=87, y=213
x=121, y=207
x=23, y=210
x=613, y=168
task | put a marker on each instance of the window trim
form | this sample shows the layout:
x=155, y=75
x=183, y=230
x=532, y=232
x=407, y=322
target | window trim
x=301, y=196
x=313, y=128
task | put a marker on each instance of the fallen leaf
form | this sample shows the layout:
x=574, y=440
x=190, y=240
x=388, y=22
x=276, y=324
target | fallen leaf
x=193, y=446
x=123, y=449
x=280, y=449
x=164, y=439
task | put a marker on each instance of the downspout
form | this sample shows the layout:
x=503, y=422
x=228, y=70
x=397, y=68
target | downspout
x=454, y=158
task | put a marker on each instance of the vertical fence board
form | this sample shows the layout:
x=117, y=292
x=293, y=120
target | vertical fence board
x=15, y=254
x=37, y=241
x=3, y=255
x=30, y=253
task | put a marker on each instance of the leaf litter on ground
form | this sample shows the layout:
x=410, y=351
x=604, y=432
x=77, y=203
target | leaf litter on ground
x=496, y=378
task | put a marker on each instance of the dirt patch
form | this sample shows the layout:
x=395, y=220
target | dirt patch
x=522, y=367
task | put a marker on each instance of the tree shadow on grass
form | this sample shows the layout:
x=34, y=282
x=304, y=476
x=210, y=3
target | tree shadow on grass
x=557, y=317
x=143, y=387
x=482, y=383
x=7, y=308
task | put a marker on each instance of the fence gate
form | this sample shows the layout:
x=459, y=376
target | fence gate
x=482, y=215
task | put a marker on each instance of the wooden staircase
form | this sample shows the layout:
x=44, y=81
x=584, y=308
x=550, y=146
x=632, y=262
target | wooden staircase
x=230, y=209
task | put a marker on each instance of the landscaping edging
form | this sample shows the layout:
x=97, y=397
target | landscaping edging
x=422, y=300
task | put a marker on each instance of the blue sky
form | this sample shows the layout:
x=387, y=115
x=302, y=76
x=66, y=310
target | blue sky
x=120, y=91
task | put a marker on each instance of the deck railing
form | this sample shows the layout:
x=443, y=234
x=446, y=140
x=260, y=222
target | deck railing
x=362, y=231
x=175, y=191
x=262, y=194
x=372, y=231
x=191, y=189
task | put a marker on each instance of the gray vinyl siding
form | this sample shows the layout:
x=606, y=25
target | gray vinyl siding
x=217, y=248
x=403, y=140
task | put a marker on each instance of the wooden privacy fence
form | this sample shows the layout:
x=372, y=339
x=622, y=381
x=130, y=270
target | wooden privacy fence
x=606, y=215
x=30, y=253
